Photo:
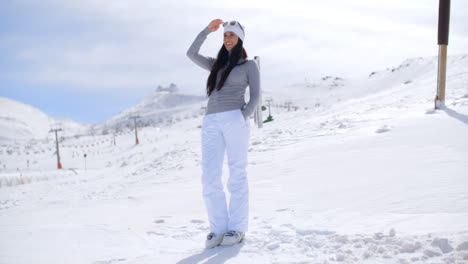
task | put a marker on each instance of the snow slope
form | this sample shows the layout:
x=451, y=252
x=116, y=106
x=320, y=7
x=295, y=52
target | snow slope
x=19, y=121
x=377, y=176
x=156, y=109
x=329, y=90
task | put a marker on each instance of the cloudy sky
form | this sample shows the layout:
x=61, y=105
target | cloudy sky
x=88, y=60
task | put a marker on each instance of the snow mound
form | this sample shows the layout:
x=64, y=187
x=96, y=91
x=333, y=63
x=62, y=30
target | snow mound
x=21, y=121
x=157, y=109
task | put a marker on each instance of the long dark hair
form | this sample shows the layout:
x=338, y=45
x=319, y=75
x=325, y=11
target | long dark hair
x=237, y=53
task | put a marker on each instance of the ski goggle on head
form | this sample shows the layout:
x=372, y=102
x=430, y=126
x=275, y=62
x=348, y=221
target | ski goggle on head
x=233, y=23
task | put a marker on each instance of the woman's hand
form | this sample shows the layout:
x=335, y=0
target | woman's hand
x=214, y=25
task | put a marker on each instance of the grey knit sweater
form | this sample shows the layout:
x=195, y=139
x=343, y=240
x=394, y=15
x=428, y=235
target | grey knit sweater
x=231, y=95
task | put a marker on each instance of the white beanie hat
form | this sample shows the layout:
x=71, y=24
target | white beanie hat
x=235, y=27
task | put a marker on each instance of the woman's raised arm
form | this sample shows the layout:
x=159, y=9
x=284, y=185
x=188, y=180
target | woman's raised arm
x=193, y=51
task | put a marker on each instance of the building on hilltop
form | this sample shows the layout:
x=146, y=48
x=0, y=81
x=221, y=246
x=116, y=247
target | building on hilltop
x=172, y=88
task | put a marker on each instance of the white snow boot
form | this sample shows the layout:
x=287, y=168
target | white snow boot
x=232, y=238
x=213, y=240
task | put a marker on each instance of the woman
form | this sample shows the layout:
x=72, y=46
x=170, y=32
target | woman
x=226, y=128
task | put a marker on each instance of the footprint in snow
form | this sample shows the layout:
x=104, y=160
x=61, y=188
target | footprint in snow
x=430, y=112
x=195, y=221
x=110, y=261
x=383, y=129
x=152, y=233
x=256, y=142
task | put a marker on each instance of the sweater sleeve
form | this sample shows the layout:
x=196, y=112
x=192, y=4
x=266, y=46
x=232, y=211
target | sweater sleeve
x=193, y=51
x=254, y=84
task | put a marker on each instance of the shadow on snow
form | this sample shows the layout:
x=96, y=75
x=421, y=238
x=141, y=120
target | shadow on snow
x=216, y=255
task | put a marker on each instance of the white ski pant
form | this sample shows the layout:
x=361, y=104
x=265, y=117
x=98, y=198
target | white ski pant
x=226, y=131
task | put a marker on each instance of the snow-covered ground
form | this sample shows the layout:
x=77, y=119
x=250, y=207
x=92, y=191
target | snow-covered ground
x=364, y=171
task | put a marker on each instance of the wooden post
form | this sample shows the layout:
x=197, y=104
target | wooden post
x=269, y=105
x=258, y=112
x=442, y=72
x=442, y=40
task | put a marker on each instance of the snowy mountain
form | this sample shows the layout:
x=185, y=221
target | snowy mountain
x=19, y=121
x=330, y=90
x=157, y=109
x=363, y=171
